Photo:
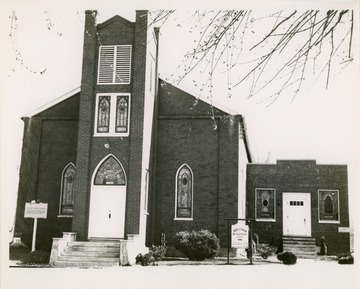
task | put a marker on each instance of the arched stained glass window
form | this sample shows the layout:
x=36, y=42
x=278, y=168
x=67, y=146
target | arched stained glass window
x=103, y=114
x=110, y=172
x=67, y=190
x=184, y=193
x=328, y=205
x=122, y=104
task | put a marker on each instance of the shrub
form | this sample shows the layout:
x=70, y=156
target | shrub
x=158, y=251
x=197, y=245
x=265, y=250
x=346, y=259
x=287, y=258
x=145, y=260
x=37, y=257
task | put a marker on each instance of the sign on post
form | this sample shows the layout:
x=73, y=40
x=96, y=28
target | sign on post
x=240, y=235
x=36, y=211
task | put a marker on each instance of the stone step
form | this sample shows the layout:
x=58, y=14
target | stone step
x=302, y=247
x=89, y=259
x=91, y=254
x=92, y=249
x=94, y=244
x=85, y=264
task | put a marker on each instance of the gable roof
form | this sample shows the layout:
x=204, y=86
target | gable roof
x=116, y=18
x=53, y=102
x=200, y=99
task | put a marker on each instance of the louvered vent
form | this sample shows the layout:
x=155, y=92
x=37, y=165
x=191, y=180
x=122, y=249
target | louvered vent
x=115, y=64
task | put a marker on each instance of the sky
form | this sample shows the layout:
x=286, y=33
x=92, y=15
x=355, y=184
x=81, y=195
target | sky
x=321, y=124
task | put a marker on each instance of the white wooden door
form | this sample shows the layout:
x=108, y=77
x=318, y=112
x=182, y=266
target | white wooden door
x=107, y=212
x=296, y=214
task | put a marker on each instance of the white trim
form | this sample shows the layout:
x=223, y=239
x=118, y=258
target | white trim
x=61, y=188
x=54, y=102
x=329, y=221
x=112, y=122
x=192, y=193
x=265, y=220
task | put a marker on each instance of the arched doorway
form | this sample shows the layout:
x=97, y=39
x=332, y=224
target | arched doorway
x=107, y=200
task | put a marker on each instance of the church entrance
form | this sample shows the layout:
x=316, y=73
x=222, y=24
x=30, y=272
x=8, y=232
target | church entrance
x=296, y=214
x=107, y=200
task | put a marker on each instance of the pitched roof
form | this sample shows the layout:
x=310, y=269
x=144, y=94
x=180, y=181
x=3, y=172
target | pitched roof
x=53, y=102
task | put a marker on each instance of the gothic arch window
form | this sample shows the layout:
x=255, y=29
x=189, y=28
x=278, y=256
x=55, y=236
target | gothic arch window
x=329, y=206
x=184, y=193
x=103, y=114
x=122, y=113
x=110, y=172
x=67, y=190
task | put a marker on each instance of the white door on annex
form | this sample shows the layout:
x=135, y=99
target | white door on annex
x=296, y=214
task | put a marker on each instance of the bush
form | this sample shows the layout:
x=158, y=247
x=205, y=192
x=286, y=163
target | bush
x=287, y=258
x=265, y=250
x=145, y=260
x=197, y=245
x=37, y=257
x=346, y=259
x=158, y=251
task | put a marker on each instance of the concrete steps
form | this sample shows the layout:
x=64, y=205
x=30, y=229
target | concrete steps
x=302, y=247
x=97, y=253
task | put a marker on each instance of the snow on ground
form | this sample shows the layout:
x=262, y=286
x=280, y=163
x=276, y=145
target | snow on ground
x=309, y=274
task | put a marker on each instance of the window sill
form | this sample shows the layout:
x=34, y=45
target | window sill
x=110, y=134
x=64, y=216
x=266, y=220
x=329, y=222
x=183, y=219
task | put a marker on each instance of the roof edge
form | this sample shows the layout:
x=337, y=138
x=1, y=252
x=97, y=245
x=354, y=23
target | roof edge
x=53, y=102
x=197, y=96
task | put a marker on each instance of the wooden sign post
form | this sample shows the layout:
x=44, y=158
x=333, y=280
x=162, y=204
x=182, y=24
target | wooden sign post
x=35, y=210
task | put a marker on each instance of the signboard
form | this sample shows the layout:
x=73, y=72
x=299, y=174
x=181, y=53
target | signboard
x=36, y=210
x=240, y=236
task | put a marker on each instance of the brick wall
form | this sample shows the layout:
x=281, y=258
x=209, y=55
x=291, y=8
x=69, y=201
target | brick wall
x=49, y=144
x=302, y=177
x=185, y=134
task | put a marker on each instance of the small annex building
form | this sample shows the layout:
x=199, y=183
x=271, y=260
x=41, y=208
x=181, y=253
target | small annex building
x=299, y=202
x=128, y=156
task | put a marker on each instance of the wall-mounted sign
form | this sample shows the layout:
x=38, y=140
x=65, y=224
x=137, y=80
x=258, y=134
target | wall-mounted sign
x=36, y=210
x=240, y=236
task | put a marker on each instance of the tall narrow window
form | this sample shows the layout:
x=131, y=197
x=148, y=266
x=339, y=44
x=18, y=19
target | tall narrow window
x=184, y=193
x=103, y=114
x=265, y=204
x=114, y=64
x=67, y=190
x=122, y=113
x=329, y=206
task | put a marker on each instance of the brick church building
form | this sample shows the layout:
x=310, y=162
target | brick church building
x=127, y=155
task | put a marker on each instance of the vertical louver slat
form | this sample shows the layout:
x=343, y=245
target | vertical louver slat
x=123, y=64
x=106, y=64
